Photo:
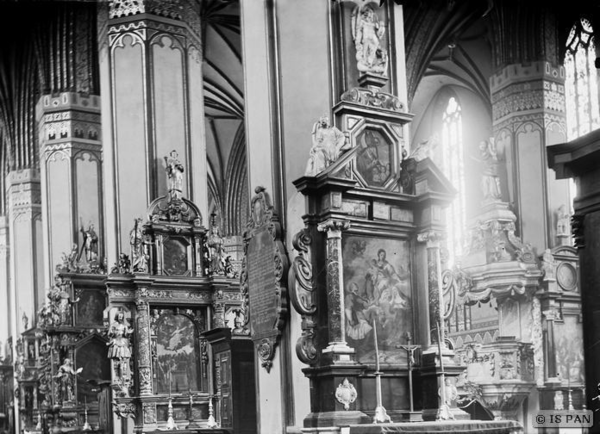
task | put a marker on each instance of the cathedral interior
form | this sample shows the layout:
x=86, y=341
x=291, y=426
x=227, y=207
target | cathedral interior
x=317, y=216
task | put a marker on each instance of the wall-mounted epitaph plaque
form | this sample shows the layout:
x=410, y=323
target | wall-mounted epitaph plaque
x=263, y=277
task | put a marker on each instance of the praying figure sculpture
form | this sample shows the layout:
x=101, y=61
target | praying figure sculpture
x=328, y=143
x=367, y=33
x=66, y=374
x=174, y=175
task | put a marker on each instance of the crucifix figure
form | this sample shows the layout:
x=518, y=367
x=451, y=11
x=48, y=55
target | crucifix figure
x=410, y=350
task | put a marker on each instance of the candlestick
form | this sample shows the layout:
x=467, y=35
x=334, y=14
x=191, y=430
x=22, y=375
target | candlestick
x=192, y=423
x=376, y=346
x=86, y=425
x=171, y=425
x=212, y=423
x=444, y=411
x=381, y=415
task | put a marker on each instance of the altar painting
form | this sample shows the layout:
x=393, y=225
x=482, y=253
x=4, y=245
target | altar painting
x=177, y=354
x=377, y=293
x=374, y=157
x=569, y=350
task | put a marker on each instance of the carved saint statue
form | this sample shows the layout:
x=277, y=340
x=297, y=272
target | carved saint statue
x=139, y=257
x=328, y=142
x=548, y=265
x=367, y=32
x=119, y=346
x=174, y=175
x=89, y=247
x=215, y=249
x=66, y=374
x=563, y=223
x=490, y=182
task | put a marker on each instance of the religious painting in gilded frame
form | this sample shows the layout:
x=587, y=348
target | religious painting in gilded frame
x=377, y=293
x=263, y=277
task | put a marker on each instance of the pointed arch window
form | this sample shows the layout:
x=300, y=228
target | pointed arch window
x=454, y=169
x=583, y=113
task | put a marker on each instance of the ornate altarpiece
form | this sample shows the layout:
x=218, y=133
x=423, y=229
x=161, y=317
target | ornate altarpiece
x=362, y=273
x=164, y=296
x=62, y=362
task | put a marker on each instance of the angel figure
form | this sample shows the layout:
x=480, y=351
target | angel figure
x=328, y=142
x=367, y=32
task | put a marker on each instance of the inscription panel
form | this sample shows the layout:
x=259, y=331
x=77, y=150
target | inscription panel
x=262, y=284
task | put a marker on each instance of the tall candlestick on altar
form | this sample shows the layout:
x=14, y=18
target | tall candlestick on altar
x=381, y=415
x=376, y=346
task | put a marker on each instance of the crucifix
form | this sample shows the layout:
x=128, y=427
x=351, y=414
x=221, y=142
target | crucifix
x=410, y=356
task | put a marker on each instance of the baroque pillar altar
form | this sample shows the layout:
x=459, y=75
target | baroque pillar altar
x=152, y=87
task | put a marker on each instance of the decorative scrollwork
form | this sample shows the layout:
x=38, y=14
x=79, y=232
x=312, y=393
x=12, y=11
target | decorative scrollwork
x=577, y=230
x=373, y=98
x=124, y=409
x=266, y=352
x=303, y=296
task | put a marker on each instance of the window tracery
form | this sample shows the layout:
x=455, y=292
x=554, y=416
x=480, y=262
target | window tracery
x=454, y=169
x=583, y=112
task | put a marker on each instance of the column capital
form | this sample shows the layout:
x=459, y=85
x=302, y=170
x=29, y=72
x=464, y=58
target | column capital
x=551, y=314
x=432, y=238
x=333, y=227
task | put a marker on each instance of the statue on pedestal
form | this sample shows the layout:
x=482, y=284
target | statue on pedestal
x=139, y=256
x=119, y=348
x=174, y=175
x=563, y=222
x=490, y=182
x=328, y=142
x=67, y=374
x=215, y=248
x=89, y=247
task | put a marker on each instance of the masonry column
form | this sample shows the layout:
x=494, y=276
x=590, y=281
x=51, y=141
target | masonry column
x=71, y=172
x=528, y=105
x=26, y=259
x=152, y=104
x=5, y=313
